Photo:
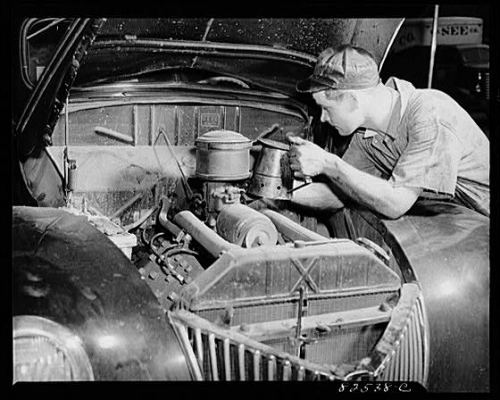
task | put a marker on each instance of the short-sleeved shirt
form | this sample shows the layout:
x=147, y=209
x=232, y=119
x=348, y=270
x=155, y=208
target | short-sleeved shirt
x=431, y=143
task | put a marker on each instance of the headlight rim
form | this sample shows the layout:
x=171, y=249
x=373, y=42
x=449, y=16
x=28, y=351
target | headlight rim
x=29, y=326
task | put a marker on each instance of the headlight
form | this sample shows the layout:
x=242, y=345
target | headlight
x=46, y=351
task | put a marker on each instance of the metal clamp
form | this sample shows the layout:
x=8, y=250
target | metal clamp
x=374, y=248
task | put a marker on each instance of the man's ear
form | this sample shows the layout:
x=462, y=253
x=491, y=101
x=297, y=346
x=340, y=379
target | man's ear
x=354, y=100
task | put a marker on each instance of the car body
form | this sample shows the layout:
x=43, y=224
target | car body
x=105, y=138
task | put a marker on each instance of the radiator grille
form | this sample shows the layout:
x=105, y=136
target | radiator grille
x=219, y=354
x=409, y=359
x=398, y=351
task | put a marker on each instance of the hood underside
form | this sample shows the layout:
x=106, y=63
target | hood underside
x=271, y=52
x=305, y=35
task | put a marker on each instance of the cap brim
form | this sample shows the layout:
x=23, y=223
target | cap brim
x=310, y=85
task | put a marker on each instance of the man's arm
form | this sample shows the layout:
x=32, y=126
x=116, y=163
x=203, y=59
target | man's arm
x=318, y=196
x=368, y=190
x=371, y=191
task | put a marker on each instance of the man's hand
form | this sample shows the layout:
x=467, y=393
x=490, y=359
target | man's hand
x=306, y=158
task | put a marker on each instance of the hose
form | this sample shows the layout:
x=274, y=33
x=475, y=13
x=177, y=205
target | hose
x=152, y=240
x=170, y=251
x=140, y=221
x=173, y=252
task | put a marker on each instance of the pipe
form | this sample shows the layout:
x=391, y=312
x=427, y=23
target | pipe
x=433, y=44
x=128, y=204
x=212, y=242
x=290, y=229
x=140, y=221
x=113, y=134
x=163, y=219
x=66, y=142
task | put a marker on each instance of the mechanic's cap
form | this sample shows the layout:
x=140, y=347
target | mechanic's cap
x=346, y=67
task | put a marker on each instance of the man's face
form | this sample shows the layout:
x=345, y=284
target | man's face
x=342, y=112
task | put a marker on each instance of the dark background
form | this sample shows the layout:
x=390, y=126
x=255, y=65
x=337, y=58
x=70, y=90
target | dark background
x=487, y=10
x=469, y=83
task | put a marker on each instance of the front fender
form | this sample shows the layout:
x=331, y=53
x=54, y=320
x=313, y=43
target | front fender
x=445, y=248
x=66, y=270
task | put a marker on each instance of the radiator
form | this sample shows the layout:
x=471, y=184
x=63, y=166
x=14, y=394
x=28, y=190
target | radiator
x=396, y=350
x=220, y=354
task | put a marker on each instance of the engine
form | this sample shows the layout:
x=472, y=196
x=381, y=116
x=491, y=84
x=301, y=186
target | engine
x=216, y=218
x=259, y=274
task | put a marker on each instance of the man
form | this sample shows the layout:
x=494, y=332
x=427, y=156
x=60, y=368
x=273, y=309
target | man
x=407, y=143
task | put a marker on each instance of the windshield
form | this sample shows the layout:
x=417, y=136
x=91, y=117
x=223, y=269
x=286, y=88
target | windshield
x=39, y=40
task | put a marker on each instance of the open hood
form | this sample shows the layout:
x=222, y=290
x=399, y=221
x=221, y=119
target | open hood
x=271, y=53
x=304, y=35
x=274, y=53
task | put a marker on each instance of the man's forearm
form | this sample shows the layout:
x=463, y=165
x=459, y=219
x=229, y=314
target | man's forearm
x=318, y=196
x=368, y=190
x=378, y=194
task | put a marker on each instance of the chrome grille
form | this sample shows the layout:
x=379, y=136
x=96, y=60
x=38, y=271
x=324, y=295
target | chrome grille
x=219, y=354
x=408, y=357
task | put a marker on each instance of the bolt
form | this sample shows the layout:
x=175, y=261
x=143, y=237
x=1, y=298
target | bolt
x=153, y=275
x=323, y=328
x=365, y=362
x=187, y=239
x=173, y=296
x=47, y=140
x=211, y=222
